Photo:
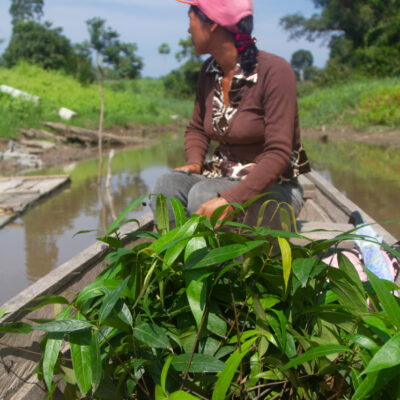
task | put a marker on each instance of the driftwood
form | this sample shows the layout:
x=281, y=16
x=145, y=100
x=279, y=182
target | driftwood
x=88, y=136
x=41, y=134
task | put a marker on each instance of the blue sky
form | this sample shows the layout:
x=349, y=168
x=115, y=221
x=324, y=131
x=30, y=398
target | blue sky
x=148, y=23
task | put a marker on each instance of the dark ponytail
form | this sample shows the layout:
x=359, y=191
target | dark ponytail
x=248, y=57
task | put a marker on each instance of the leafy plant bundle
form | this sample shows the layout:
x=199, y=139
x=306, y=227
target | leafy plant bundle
x=205, y=312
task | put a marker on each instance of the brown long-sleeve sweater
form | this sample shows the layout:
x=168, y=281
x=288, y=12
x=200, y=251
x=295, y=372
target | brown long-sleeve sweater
x=264, y=130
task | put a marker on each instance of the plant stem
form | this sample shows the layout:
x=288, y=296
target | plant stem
x=185, y=375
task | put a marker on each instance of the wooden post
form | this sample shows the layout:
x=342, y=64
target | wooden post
x=100, y=173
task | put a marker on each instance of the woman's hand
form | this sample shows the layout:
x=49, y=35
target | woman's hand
x=210, y=206
x=190, y=168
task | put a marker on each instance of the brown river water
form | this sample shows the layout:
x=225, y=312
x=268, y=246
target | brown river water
x=43, y=238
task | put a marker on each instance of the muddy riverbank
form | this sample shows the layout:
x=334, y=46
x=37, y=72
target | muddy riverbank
x=63, y=154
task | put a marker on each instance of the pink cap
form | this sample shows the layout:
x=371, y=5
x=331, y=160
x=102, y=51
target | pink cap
x=226, y=13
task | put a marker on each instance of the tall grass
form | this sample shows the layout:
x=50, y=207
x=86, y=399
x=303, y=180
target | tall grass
x=131, y=102
x=368, y=104
x=363, y=105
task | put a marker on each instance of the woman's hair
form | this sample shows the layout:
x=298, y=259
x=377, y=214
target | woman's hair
x=248, y=57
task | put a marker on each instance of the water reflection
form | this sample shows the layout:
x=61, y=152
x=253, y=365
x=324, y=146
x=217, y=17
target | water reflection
x=44, y=237
x=376, y=197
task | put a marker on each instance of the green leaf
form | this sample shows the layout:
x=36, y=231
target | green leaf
x=186, y=231
x=124, y=314
x=117, y=223
x=347, y=292
x=302, y=268
x=216, y=325
x=159, y=393
x=181, y=395
x=315, y=353
x=194, y=244
x=96, y=364
x=51, y=352
x=113, y=242
x=111, y=300
x=201, y=363
x=162, y=216
x=49, y=299
x=64, y=326
x=373, y=382
x=174, y=252
x=164, y=372
x=81, y=359
x=200, y=259
x=196, y=292
x=17, y=327
x=152, y=335
x=217, y=213
x=388, y=356
x=364, y=342
x=286, y=259
x=387, y=299
x=225, y=378
x=376, y=322
x=346, y=265
x=179, y=211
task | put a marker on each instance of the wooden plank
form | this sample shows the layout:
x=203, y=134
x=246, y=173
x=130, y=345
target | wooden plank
x=313, y=212
x=308, y=187
x=17, y=194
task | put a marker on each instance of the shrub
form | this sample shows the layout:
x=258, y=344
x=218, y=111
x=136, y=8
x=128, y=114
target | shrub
x=203, y=312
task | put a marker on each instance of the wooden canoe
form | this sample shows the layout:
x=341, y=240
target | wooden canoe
x=324, y=208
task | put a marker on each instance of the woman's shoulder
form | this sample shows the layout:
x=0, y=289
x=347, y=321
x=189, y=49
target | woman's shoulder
x=271, y=63
x=266, y=60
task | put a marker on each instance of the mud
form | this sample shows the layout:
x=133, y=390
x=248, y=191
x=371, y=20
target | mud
x=67, y=153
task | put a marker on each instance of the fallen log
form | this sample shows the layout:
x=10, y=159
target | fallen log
x=88, y=135
x=41, y=134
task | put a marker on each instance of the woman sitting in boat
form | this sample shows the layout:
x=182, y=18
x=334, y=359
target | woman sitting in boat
x=246, y=101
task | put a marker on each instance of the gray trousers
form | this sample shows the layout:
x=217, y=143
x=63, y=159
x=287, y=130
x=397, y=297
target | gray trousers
x=193, y=190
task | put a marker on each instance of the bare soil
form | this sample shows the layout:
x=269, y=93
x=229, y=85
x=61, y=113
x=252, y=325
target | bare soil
x=382, y=139
x=64, y=154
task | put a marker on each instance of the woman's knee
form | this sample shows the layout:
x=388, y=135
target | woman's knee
x=200, y=193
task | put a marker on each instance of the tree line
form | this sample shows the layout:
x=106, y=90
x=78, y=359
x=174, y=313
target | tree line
x=39, y=43
x=363, y=37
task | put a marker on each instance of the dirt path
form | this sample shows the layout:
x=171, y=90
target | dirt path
x=64, y=154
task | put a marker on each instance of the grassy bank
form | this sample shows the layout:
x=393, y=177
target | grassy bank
x=127, y=102
x=363, y=105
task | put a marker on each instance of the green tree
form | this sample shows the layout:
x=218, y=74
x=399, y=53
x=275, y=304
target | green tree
x=117, y=58
x=182, y=82
x=187, y=51
x=301, y=62
x=26, y=10
x=362, y=34
x=38, y=44
x=164, y=49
